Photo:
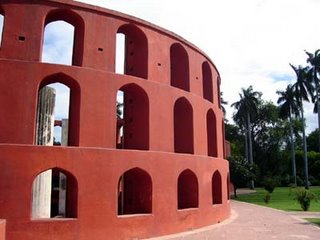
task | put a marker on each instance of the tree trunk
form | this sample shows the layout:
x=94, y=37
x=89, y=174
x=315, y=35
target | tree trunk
x=305, y=156
x=293, y=154
x=250, y=146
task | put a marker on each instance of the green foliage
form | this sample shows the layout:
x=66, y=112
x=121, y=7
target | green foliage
x=313, y=141
x=269, y=183
x=247, y=106
x=267, y=197
x=271, y=128
x=241, y=172
x=314, y=167
x=235, y=137
x=304, y=198
x=280, y=199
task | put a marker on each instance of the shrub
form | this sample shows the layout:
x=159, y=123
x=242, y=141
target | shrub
x=270, y=183
x=267, y=197
x=304, y=198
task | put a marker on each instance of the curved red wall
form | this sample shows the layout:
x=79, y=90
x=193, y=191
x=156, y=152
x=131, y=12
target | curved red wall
x=92, y=157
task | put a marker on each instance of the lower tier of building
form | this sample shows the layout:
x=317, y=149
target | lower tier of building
x=98, y=193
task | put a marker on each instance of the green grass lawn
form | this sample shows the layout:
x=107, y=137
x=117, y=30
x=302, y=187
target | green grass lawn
x=282, y=198
x=314, y=220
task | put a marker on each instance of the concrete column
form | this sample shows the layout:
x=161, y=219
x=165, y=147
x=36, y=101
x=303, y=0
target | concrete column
x=41, y=195
x=62, y=194
x=45, y=116
x=64, y=132
x=42, y=185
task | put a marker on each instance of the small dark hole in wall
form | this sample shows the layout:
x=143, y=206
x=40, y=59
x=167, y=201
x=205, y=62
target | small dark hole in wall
x=100, y=49
x=132, y=53
x=197, y=78
x=159, y=64
x=22, y=38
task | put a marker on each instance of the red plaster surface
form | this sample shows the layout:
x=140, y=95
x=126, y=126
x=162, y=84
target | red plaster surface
x=92, y=157
x=2, y=229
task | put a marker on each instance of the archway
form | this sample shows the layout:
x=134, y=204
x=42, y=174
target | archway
x=133, y=127
x=216, y=188
x=134, y=51
x=54, y=194
x=134, y=192
x=63, y=38
x=188, y=193
x=183, y=126
x=179, y=67
x=207, y=85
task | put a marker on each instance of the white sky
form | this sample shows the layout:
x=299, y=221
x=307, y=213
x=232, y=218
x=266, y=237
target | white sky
x=251, y=42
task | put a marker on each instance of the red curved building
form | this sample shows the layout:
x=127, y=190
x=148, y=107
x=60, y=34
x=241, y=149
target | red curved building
x=158, y=169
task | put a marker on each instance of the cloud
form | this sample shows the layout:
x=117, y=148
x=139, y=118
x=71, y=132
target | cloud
x=58, y=43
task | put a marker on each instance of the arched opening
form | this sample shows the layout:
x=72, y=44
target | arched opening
x=179, y=67
x=1, y=24
x=63, y=38
x=132, y=51
x=216, y=188
x=183, y=126
x=207, y=85
x=58, y=109
x=54, y=195
x=188, y=193
x=135, y=192
x=133, y=119
x=212, y=134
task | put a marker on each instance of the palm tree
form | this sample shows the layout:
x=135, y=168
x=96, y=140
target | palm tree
x=247, y=108
x=288, y=107
x=302, y=89
x=314, y=60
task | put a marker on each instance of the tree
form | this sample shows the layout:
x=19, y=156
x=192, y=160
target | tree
x=269, y=134
x=314, y=61
x=312, y=140
x=288, y=107
x=246, y=110
x=241, y=172
x=234, y=135
x=303, y=88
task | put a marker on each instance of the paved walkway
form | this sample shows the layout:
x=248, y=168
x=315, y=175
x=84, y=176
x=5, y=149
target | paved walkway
x=252, y=222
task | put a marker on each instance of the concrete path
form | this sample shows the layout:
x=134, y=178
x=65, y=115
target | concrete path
x=252, y=222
